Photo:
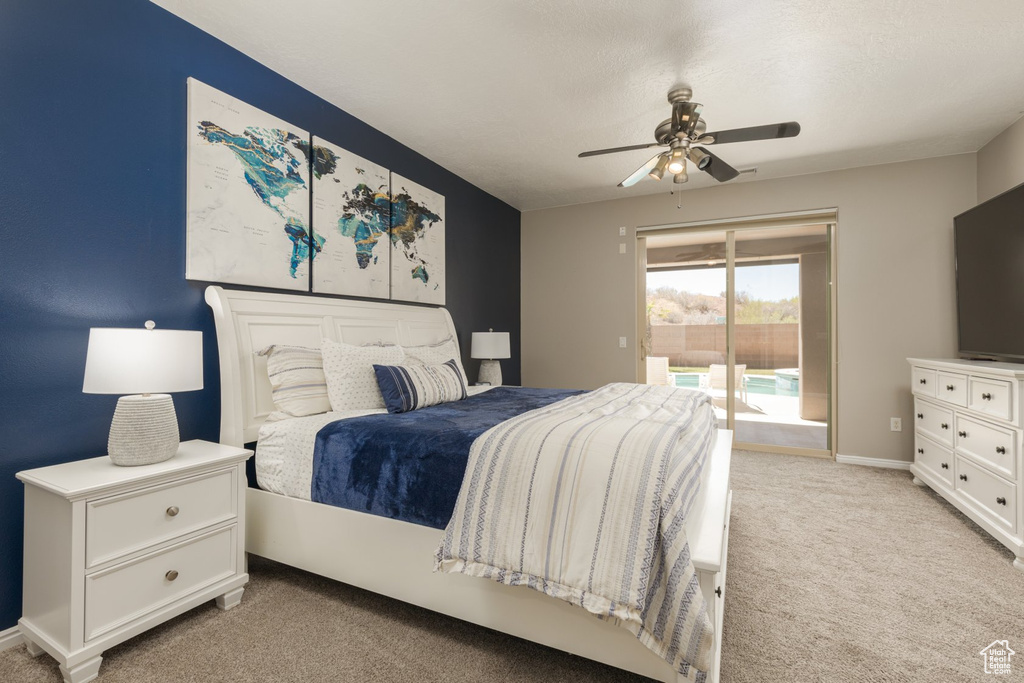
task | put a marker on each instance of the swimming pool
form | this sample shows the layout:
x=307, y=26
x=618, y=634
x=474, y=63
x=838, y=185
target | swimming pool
x=785, y=383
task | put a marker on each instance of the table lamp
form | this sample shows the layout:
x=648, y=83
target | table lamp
x=489, y=347
x=143, y=362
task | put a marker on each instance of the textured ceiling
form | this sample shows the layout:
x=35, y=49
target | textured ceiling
x=506, y=93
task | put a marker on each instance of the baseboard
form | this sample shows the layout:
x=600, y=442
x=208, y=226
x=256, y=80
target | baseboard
x=10, y=637
x=873, y=462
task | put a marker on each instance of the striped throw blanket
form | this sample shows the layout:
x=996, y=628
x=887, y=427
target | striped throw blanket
x=585, y=500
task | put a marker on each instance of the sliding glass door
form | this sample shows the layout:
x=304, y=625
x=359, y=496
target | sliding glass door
x=745, y=314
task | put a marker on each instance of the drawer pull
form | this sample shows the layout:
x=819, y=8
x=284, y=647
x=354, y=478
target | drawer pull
x=1000, y=450
x=945, y=425
x=172, y=511
x=1000, y=500
x=921, y=451
x=718, y=591
x=963, y=477
x=986, y=397
x=171, y=575
x=920, y=416
x=923, y=381
x=945, y=465
x=950, y=387
x=962, y=435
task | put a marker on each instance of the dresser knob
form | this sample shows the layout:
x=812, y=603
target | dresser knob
x=923, y=381
x=172, y=511
x=921, y=451
x=171, y=575
x=1000, y=450
x=986, y=397
x=949, y=387
x=1001, y=500
x=945, y=465
x=962, y=435
x=945, y=426
x=718, y=591
x=920, y=416
x=963, y=477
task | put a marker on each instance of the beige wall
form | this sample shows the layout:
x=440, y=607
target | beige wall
x=1001, y=162
x=895, y=270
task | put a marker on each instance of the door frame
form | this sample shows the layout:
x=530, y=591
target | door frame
x=829, y=217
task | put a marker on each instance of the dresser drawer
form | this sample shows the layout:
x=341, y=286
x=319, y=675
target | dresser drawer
x=121, y=594
x=993, y=495
x=935, y=458
x=923, y=381
x=119, y=525
x=992, y=397
x=952, y=388
x=993, y=447
x=934, y=422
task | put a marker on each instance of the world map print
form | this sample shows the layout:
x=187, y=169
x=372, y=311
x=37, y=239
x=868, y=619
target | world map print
x=248, y=194
x=351, y=219
x=417, y=243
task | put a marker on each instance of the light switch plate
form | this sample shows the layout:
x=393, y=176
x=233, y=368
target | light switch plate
x=622, y=342
x=622, y=231
x=622, y=247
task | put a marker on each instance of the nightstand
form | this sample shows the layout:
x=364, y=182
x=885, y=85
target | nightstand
x=113, y=551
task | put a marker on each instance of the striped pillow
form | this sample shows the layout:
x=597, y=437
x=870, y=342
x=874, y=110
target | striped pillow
x=411, y=387
x=432, y=354
x=297, y=380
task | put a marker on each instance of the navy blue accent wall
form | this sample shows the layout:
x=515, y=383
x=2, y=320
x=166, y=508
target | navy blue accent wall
x=92, y=220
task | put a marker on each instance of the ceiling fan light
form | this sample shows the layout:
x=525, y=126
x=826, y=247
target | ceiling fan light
x=677, y=164
x=700, y=158
x=658, y=172
x=681, y=177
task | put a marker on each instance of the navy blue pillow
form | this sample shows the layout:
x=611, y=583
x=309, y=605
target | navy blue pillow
x=410, y=387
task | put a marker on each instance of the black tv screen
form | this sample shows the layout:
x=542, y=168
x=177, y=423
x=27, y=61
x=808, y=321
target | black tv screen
x=989, y=244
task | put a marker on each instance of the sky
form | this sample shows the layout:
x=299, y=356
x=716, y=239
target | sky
x=768, y=283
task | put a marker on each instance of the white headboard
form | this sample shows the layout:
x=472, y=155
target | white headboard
x=249, y=321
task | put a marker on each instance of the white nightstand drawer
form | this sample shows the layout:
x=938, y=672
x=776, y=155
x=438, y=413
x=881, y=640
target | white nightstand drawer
x=934, y=422
x=121, y=594
x=991, y=397
x=993, y=494
x=988, y=445
x=119, y=525
x=923, y=381
x=952, y=388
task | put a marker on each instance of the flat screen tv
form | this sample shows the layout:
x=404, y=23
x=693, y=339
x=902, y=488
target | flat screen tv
x=989, y=244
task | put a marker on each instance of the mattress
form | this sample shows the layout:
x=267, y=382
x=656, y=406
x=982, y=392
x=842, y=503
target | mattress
x=284, y=451
x=285, y=454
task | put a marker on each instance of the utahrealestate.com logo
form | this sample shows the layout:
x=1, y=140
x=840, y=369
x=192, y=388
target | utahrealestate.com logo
x=997, y=657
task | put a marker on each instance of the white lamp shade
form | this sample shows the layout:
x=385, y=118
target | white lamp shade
x=490, y=345
x=137, y=361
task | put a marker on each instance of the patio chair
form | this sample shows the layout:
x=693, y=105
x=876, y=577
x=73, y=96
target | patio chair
x=657, y=371
x=716, y=379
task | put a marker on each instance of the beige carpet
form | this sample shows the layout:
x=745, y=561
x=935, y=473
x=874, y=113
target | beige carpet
x=836, y=573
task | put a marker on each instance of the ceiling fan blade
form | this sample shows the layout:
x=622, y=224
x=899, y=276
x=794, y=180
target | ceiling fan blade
x=641, y=172
x=613, y=150
x=716, y=168
x=772, y=131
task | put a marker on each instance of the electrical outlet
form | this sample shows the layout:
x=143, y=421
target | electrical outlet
x=622, y=342
x=622, y=231
x=622, y=247
x=895, y=424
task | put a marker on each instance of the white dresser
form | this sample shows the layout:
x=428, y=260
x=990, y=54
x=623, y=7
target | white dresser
x=968, y=425
x=113, y=551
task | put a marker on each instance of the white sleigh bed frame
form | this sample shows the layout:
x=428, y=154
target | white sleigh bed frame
x=393, y=557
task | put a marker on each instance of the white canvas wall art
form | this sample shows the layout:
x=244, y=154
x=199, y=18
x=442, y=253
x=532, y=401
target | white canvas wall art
x=417, y=243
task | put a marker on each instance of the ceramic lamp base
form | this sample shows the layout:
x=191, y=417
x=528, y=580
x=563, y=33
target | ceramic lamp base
x=144, y=430
x=490, y=373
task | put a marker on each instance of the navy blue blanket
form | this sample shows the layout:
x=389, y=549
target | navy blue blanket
x=410, y=466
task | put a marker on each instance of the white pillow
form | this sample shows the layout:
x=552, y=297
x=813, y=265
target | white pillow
x=297, y=379
x=351, y=382
x=435, y=354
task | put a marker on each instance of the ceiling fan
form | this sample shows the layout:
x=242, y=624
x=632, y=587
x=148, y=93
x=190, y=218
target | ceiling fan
x=686, y=136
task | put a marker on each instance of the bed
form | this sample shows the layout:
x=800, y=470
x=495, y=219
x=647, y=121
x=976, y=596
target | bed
x=394, y=557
